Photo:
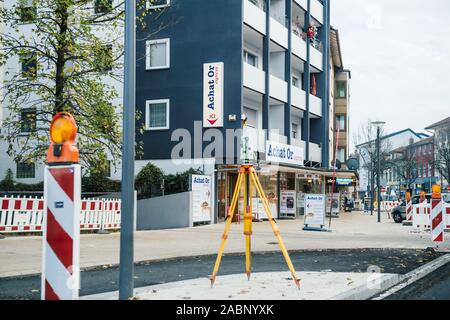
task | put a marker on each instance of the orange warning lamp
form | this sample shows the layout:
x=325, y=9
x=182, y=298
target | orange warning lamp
x=422, y=196
x=436, y=191
x=408, y=196
x=63, y=132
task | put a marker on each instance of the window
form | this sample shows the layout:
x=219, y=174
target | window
x=252, y=117
x=341, y=154
x=296, y=82
x=341, y=89
x=25, y=170
x=28, y=65
x=340, y=122
x=295, y=133
x=104, y=58
x=103, y=6
x=28, y=121
x=155, y=4
x=251, y=58
x=157, y=115
x=27, y=11
x=158, y=54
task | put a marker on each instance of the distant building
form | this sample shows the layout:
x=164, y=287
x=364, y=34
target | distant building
x=389, y=143
x=441, y=140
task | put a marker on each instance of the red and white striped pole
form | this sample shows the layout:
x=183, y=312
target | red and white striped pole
x=409, y=213
x=437, y=217
x=62, y=204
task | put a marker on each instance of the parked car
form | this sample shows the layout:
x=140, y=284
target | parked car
x=399, y=212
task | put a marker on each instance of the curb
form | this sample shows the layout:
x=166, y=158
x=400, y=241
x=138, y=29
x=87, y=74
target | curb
x=407, y=279
x=377, y=284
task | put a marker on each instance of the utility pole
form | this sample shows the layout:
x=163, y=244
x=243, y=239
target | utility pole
x=126, y=282
x=378, y=175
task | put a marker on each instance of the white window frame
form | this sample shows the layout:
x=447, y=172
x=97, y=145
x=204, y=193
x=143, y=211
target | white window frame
x=148, y=43
x=149, y=7
x=248, y=51
x=147, y=114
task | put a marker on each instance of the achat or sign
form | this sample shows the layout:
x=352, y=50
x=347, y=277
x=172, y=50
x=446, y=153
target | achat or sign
x=201, y=198
x=283, y=153
x=213, y=95
x=315, y=209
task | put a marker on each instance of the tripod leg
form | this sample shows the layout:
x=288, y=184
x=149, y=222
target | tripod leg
x=248, y=217
x=274, y=227
x=227, y=226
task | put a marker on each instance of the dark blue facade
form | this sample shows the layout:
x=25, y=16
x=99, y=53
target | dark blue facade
x=200, y=32
x=203, y=31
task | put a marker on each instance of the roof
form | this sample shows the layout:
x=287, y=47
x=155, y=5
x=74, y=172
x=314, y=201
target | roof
x=335, y=46
x=422, y=142
x=438, y=124
x=418, y=135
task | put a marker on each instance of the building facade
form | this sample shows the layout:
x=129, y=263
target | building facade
x=267, y=60
x=441, y=141
x=28, y=172
x=391, y=146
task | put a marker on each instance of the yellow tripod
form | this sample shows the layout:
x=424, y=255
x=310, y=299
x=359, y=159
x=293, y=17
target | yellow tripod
x=247, y=175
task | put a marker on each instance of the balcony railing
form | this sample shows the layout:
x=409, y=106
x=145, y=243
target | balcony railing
x=259, y=3
x=298, y=31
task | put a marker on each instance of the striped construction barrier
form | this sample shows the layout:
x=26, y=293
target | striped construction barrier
x=22, y=215
x=422, y=212
x=91, y=214
x=389, y=205
x=111, y=214
x=437, y=220
x=61, y=250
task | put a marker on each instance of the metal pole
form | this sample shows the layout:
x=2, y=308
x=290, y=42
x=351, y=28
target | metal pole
x=378, y=175
x=126, y=283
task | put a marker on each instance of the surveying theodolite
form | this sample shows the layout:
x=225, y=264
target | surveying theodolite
x=247, y=179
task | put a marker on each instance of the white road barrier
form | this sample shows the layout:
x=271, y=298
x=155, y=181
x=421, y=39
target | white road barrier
x=22, y=215
x=422, y=212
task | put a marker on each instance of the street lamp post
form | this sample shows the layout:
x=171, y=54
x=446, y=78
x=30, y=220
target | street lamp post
x=378, y=124
x=126, y=270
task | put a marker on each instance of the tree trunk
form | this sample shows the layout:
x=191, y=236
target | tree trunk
x=60, y=79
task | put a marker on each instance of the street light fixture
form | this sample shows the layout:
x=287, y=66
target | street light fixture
x=378, y=124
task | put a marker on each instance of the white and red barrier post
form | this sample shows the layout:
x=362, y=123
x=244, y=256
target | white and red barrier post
x=437, y=217
x=62, y=205
x=409, y=213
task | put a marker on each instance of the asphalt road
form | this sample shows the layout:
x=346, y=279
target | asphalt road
x=105, y=278
x=435, y=286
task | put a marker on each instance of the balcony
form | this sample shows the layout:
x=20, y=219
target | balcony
x=299, y=44
x=298, y=98
x=254, y=78
x=254, y=15
x=279, y=33
x=315, y=105
x=278, y=89
x=317, y=11
x=315, y=152
x=316, y=57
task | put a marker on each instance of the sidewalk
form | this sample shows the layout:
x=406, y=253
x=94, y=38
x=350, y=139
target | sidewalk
x=267, y=286
x=22, y=255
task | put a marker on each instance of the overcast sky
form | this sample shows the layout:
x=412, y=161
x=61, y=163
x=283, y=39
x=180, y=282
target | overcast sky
x=399, y=54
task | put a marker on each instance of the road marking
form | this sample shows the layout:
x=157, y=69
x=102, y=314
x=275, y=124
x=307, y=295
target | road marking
x=417, y=274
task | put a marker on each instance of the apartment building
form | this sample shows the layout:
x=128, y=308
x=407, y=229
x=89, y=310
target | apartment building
x=441, y=141
x=339, y=101
x=218, y=60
